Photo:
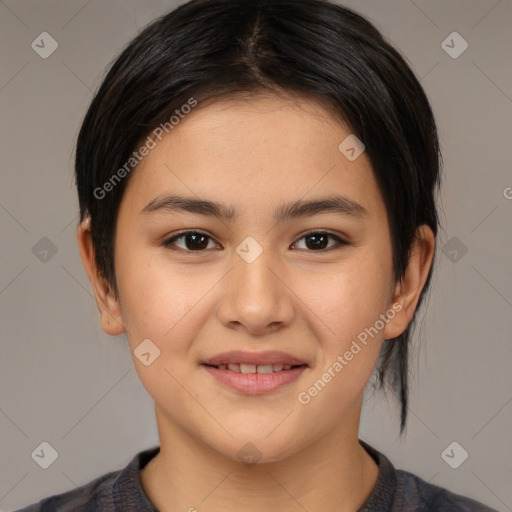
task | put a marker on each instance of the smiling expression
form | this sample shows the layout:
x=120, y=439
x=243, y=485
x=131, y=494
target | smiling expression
x=246, y=230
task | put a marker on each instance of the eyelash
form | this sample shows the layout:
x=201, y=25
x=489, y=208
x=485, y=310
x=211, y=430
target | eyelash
x=168, y=243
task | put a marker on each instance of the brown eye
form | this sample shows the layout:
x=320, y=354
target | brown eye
x=194, y=241
x=318, y=240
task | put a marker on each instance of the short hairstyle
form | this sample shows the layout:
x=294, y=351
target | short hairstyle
x=214, y=49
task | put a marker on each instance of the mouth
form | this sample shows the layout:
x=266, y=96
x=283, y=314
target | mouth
x=254, y=373
x=244, y=361
x=253, y=368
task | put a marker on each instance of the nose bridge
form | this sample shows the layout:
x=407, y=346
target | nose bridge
x=256, y=296
x=254, y=277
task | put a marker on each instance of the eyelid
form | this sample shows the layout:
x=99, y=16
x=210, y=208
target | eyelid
x=340, y=240
x=168, y=242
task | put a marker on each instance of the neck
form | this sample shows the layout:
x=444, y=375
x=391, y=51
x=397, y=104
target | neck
x=334, y=473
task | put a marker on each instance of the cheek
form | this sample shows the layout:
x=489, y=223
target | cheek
x=166, y=305
x=347, y=305
x=346, y=311
x=353, y=297
x=163, y=302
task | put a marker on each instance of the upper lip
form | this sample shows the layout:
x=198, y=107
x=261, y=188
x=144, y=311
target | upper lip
x=256, y=358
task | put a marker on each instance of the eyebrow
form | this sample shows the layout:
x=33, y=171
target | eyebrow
x=299, y=208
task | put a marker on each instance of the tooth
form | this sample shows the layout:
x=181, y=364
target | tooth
x=222, y=366
x=234, y=367
x=277, y=367
x=287, y=367
x=248, y=368
x=264, y=368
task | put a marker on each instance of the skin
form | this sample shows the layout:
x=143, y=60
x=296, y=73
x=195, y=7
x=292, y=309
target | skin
x=253, y=155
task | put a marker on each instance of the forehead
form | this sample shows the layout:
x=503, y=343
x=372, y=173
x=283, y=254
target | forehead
x=256, y=151
x=263, y=115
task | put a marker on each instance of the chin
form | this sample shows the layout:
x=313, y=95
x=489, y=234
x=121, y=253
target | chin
x=257, y=449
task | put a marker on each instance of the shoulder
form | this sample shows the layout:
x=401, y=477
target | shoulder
x=115, y=491
x=95, y=495
x=415, y=492
x=397, y=490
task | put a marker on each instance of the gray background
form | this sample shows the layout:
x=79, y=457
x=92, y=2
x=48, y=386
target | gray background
x=65, y=382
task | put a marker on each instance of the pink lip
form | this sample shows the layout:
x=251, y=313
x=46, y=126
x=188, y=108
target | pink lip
x=257, y=358
x=255, y=383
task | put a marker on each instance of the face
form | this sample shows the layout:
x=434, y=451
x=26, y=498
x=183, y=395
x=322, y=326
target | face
x=277, y=282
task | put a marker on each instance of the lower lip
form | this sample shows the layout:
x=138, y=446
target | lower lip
x=255, y=383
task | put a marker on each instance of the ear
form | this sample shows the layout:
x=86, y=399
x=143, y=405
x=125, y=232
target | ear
x=407, y=291
x=108, y=304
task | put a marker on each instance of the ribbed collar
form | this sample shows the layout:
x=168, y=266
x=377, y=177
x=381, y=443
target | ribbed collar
x=129, y=495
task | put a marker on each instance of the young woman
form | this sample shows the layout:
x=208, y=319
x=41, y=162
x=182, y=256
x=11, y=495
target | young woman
x=257, y=188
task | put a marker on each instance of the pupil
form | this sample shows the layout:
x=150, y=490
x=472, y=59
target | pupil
x=194, y=244
x=318, y=243
x=199, y=241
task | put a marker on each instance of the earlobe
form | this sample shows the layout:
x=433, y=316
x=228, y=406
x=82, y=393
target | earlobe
x=108, y=305
x=408, y=290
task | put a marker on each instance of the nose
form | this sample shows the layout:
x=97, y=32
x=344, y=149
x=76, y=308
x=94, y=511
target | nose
x=256, y=296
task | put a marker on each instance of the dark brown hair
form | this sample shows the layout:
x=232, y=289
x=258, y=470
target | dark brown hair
x=208, y=49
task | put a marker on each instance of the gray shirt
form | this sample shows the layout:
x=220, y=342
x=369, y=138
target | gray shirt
x=122, y=491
